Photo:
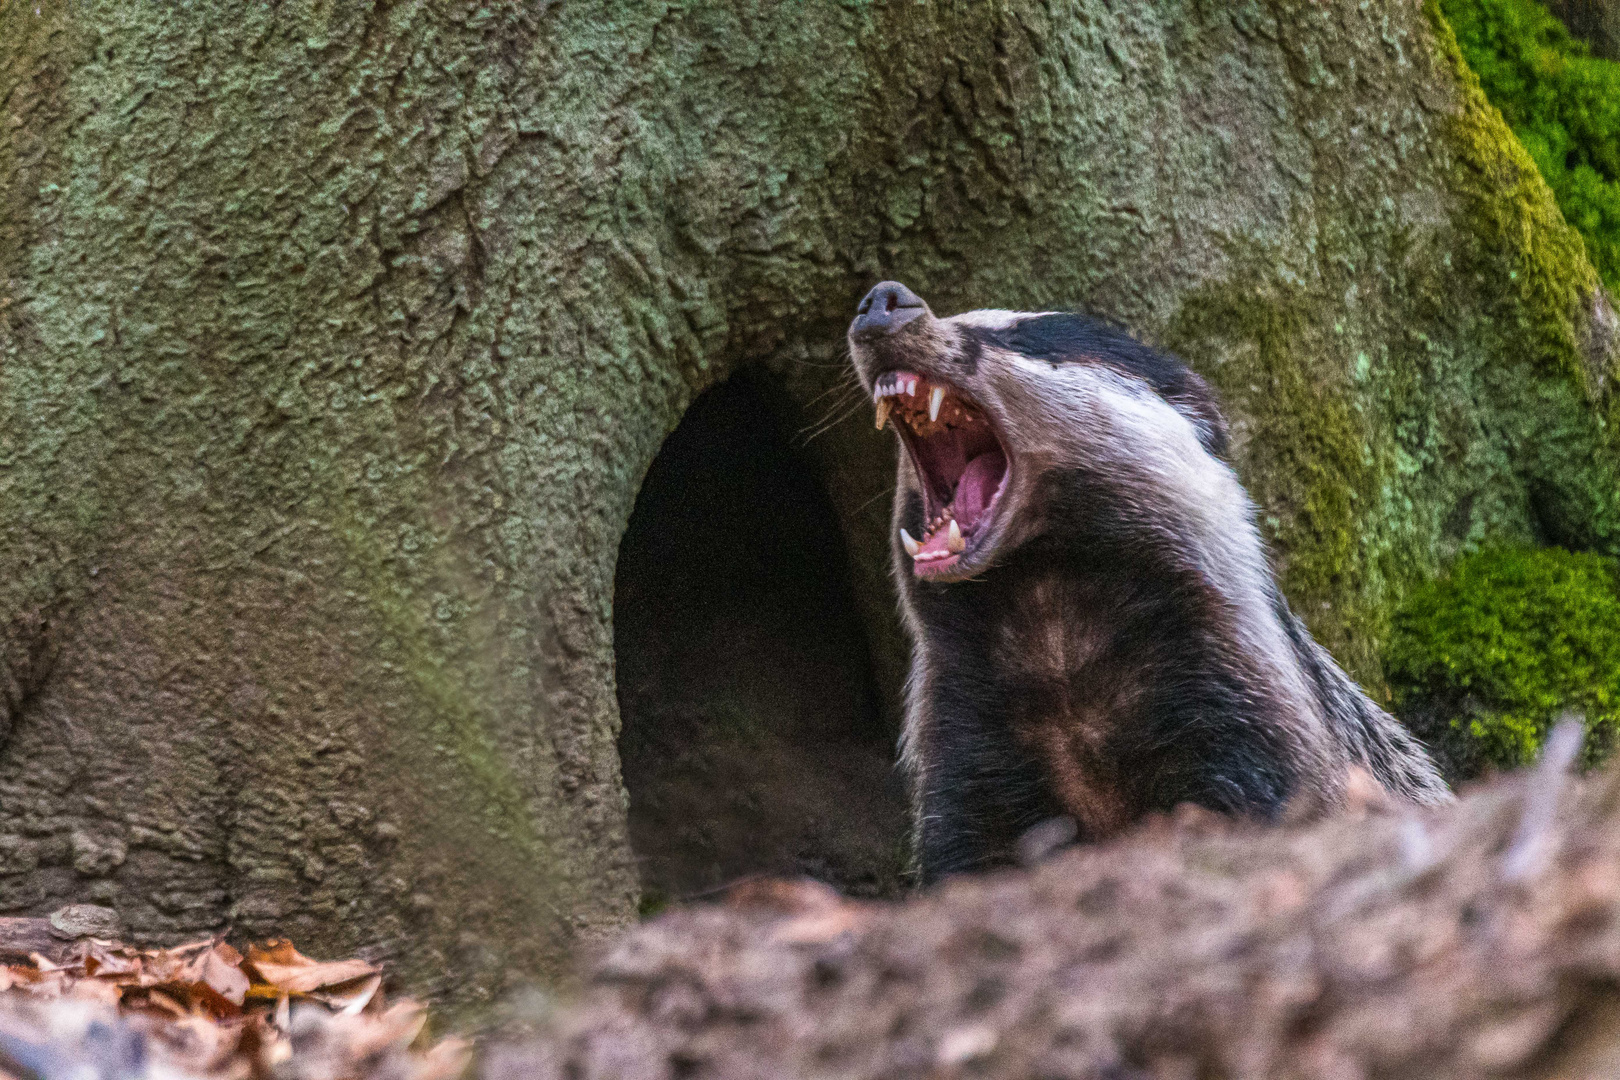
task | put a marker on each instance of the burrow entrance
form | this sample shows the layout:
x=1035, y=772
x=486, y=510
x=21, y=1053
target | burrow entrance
x=753, y=741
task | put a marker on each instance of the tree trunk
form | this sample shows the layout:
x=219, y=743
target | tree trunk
x=1596, y=22
x=338, y=336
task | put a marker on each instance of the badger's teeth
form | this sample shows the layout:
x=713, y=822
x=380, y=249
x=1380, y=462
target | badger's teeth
x=911, y=388
x=883, y=407
x=935, y=400
x=911, y=546
x=953, y=539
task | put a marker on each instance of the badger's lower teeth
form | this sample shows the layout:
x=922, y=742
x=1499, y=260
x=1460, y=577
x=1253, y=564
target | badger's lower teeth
x=929, y=549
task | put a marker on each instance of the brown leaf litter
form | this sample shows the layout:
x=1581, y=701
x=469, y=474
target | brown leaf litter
x=103, y=1010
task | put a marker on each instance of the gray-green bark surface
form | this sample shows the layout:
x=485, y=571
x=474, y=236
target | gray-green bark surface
x=1596, y=22
x=336, y=338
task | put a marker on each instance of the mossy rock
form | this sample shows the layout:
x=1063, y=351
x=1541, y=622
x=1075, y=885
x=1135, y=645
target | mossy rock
x=1484, y=659
x=1561, y=101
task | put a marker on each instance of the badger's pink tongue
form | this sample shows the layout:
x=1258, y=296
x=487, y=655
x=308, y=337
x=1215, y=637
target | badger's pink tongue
x=975, y=489
x=978, y=486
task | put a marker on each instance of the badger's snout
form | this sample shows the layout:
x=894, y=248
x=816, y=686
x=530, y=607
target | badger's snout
x=888, y=307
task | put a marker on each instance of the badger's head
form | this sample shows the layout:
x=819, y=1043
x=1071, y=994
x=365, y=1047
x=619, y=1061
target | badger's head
x=989, y=405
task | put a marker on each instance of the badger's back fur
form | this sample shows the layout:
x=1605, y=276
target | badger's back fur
x=1096, y=629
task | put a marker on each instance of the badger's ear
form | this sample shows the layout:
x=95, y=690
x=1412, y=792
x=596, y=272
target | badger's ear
x=1195, y=399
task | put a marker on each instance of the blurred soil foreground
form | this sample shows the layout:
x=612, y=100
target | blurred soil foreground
x=1474, y=940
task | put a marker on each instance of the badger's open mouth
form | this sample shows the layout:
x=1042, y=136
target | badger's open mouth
x=960, y=462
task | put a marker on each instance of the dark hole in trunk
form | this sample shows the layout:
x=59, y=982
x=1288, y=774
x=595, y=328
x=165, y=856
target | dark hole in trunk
x=753, y=741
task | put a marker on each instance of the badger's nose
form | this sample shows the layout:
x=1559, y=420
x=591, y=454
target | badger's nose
x=888, y=307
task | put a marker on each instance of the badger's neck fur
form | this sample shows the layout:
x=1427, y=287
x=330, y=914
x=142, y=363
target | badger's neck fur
x=1105, y=670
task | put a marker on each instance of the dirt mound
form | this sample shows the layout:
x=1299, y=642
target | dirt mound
x=1473, y=940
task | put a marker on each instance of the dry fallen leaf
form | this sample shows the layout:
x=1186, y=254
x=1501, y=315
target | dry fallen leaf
x=280, y=965
x=352, y=1001
x=220, y=969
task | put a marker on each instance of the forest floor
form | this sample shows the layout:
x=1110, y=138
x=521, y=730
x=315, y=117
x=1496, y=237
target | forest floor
x=1479, y=939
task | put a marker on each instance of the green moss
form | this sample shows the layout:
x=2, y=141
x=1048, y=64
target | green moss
x=1507, y=640
x=1562, y=102
x=1517, y=218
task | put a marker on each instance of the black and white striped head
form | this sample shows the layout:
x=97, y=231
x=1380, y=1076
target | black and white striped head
x=988, y=404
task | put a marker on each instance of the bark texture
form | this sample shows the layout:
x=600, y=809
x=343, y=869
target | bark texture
x=1596, y=22
x=1478, y=940
x=336, y=337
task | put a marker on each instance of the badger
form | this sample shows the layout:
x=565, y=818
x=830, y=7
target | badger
x=1096, y=630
